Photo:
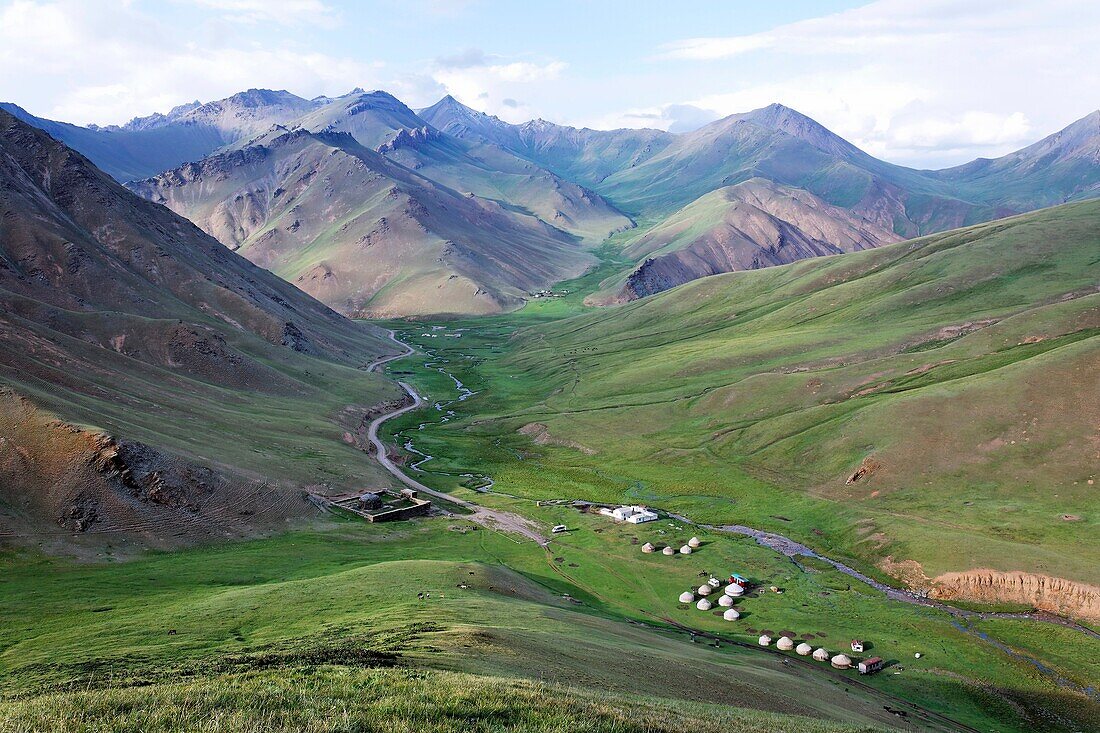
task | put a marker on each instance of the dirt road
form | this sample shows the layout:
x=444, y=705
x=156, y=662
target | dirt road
x=488, y=518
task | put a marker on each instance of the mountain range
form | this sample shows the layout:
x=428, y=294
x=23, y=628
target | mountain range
x=381, y=210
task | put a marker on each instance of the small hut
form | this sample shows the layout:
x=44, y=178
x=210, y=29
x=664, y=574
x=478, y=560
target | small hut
x=687, y=597
x=734, y=590
x=857, y=646
x=803, y=649
x=821, y=654
x=785, y=643
x=704, y=604
x=694, y=542
x=668, y=551
x=872, y=665
x=842, y=661
x=705, y=589
x=725, y=601
x=731, y=614
x=765, y=640
x=648, y=547
x=685, y=550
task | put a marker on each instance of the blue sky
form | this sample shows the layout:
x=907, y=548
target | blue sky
x=921, y=82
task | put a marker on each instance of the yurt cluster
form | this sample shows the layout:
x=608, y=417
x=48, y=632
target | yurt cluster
x=686, y=549
x=735, y=587
x=712, y=593
x=838, y=661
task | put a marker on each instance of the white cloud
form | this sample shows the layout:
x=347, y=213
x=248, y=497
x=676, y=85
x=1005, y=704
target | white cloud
x=106, y=62
x=668, y=117
x=922, y=82
x=716, y=48
x=284, y=12
x=491, y=83
x=925, y=82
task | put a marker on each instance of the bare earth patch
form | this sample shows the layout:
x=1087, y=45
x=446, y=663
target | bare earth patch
x=866, y=469
x=540, y=435
x=909, y=572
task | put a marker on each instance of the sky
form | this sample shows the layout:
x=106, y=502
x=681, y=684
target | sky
x=925, y=83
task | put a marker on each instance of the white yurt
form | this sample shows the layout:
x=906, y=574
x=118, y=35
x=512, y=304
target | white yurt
x=694, y=542
x=803, y=649
x=714, y=582
x=669, y=551
x=765, y=640
x=685, y=550
x=785, y=643
x=821, y=655
x=841, y=661
x=733, y=589
x=704, y=590
x=725, y=601
x=731, y=614
x=704, y=604
x=687, y=597
x=648, y=547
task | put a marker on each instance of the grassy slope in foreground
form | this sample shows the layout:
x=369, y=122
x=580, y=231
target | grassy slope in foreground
x=223, y=624
x=343, y=598
x=401, y=701
x=960, y=367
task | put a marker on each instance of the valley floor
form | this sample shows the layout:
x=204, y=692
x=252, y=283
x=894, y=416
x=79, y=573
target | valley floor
x=445, y=623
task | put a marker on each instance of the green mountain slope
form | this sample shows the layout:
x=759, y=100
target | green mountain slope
x=927, y=407
x=743, y=227
x=151, y=375
x=1059, y=168
x=788, y=148
x=582, y=155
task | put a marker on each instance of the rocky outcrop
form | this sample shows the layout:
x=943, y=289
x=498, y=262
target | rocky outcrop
x=1055, y=595
x=409, y=139
x=75, y=489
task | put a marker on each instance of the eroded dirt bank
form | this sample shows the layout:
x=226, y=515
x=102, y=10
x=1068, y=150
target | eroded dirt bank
x=1055, y=595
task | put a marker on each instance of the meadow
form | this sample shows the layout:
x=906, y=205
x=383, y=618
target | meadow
x=270, y=630
x=950, y=367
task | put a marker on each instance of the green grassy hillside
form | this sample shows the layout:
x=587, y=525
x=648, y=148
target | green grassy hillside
x=744, y=227
x=334, y=699
x=958, y=371
x=220, y=621
x=278, y=631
